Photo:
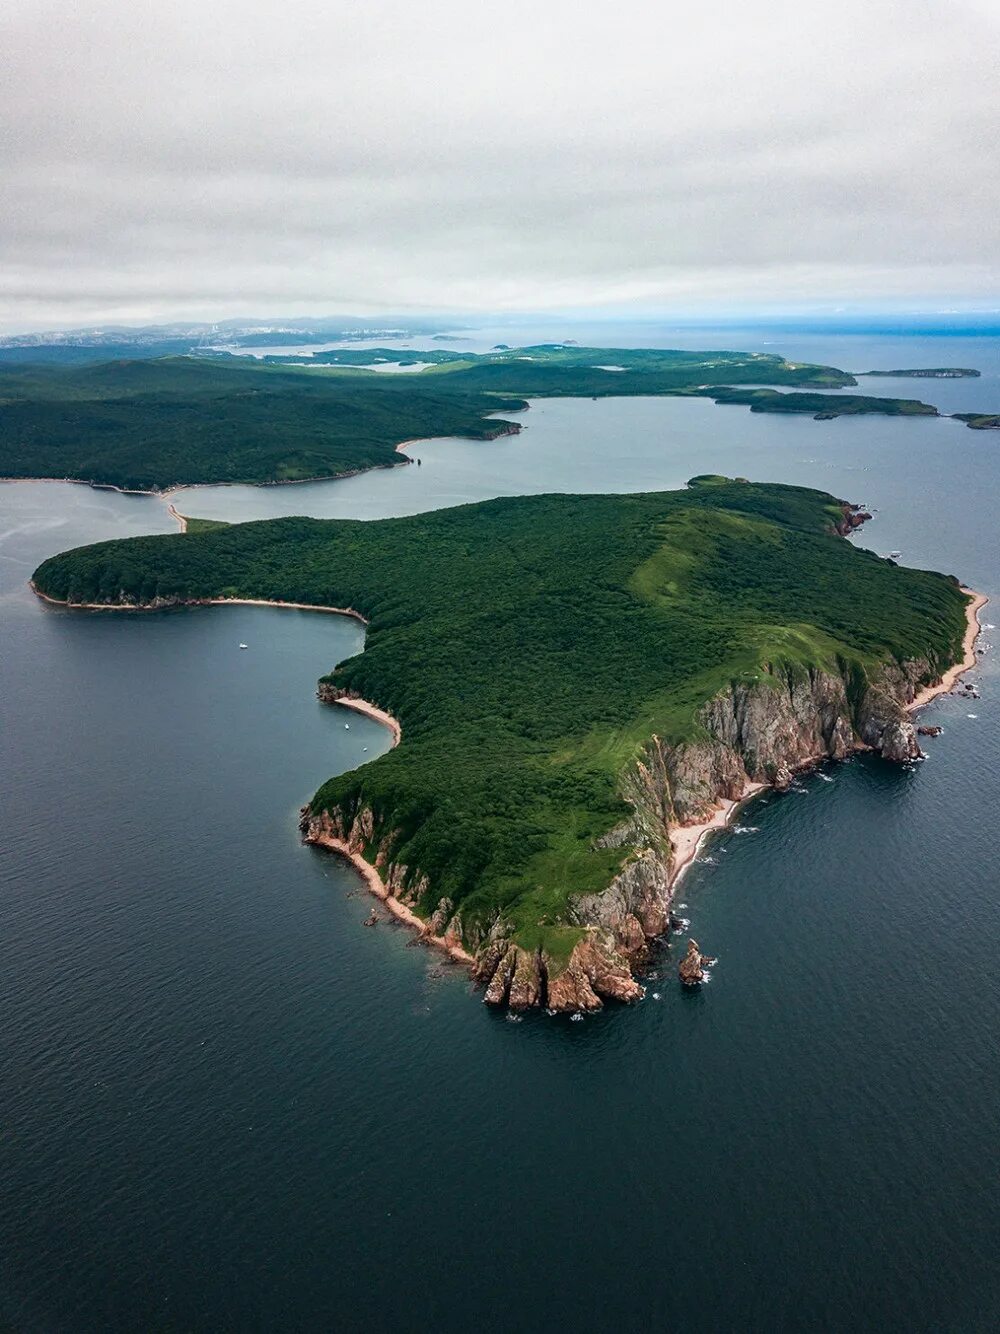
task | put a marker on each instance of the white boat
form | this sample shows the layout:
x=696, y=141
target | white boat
x=347, y=727
x=244, y=646
x=895, y=555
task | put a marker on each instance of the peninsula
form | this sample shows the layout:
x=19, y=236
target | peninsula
x=582, y=684
x=154, y=423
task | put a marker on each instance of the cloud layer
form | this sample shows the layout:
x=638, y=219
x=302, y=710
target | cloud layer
x=193, y=159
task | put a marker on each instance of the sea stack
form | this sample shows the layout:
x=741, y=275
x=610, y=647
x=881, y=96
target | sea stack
x=690, y=970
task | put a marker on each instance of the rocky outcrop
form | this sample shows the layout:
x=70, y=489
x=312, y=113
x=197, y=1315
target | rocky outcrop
x=692, y=967
x=852, y=516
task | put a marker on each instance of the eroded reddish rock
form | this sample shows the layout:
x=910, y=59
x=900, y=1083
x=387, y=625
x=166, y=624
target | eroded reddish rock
x=526, y=986
x=691, y=968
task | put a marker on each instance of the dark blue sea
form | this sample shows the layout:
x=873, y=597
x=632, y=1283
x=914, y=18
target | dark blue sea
x=227, y=1106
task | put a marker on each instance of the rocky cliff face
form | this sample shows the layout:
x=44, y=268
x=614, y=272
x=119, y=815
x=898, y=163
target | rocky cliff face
x=756, y=732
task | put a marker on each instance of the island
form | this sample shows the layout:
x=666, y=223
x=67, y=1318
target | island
x=580, y=687
x=822, y=407
x=927, y=373
x=979, y=421
x=153, y=424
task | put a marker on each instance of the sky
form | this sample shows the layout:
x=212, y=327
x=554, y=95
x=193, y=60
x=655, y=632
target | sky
x=216, y=159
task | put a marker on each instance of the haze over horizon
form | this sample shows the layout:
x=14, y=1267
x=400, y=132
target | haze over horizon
x=190, y=162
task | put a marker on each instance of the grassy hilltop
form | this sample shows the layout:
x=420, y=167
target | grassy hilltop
x=156, y=423
x=531, y=646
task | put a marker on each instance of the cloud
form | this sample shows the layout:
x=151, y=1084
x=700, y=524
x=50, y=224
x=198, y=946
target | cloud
x=227, y=158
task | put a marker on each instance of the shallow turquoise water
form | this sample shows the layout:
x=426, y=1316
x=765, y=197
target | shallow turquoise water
x=229, y=1106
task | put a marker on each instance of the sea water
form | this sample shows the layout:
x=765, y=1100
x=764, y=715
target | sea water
x=228, y=1106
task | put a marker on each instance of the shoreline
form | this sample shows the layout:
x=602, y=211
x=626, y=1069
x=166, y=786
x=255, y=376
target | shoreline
x=165, y=494
x=195, y=602
x=377, y=886
x=369, y=710
x=686, y=840
x=969, y=659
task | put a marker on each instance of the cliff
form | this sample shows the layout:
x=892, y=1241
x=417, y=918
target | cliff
x=759, y=733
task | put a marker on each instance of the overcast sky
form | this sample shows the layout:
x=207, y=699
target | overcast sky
x=211, y=159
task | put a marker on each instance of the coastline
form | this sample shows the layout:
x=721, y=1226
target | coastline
x=686, y=840
x=972, y=632
x=195, y=602
x=172, y=490
x=370, y=710
x=377, y=886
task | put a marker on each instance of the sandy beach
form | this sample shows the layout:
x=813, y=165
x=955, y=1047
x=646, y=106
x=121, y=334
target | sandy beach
x=197, y=602
x=372, y=711
x=377, y=886
x=687, y=839
x=969, y=659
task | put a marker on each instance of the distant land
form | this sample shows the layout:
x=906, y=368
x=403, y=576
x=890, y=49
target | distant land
x=929, y=373
x=153, y=423
x=75, y=346
x=979, y=421
x=582, y=685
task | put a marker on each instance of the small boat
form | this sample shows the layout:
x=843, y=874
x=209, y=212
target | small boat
x=347, y=727
x=244, y=646
x=895, y=555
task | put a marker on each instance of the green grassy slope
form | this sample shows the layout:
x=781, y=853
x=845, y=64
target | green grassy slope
x=530, y=646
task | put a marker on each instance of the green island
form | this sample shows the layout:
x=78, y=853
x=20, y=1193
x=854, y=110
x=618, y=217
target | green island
x=156, y=423
x=926, y=373
x=980, y=421
x=581, y=682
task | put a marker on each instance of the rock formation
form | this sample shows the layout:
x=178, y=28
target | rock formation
x=691, y=970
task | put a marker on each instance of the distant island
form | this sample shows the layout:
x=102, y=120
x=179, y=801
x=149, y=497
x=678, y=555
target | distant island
x=979, y=421
x=823, y=407
x=153, y=423
x=582, y=686
x=928, y=373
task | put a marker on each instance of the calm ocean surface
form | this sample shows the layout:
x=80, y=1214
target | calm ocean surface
x=228, y=1106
